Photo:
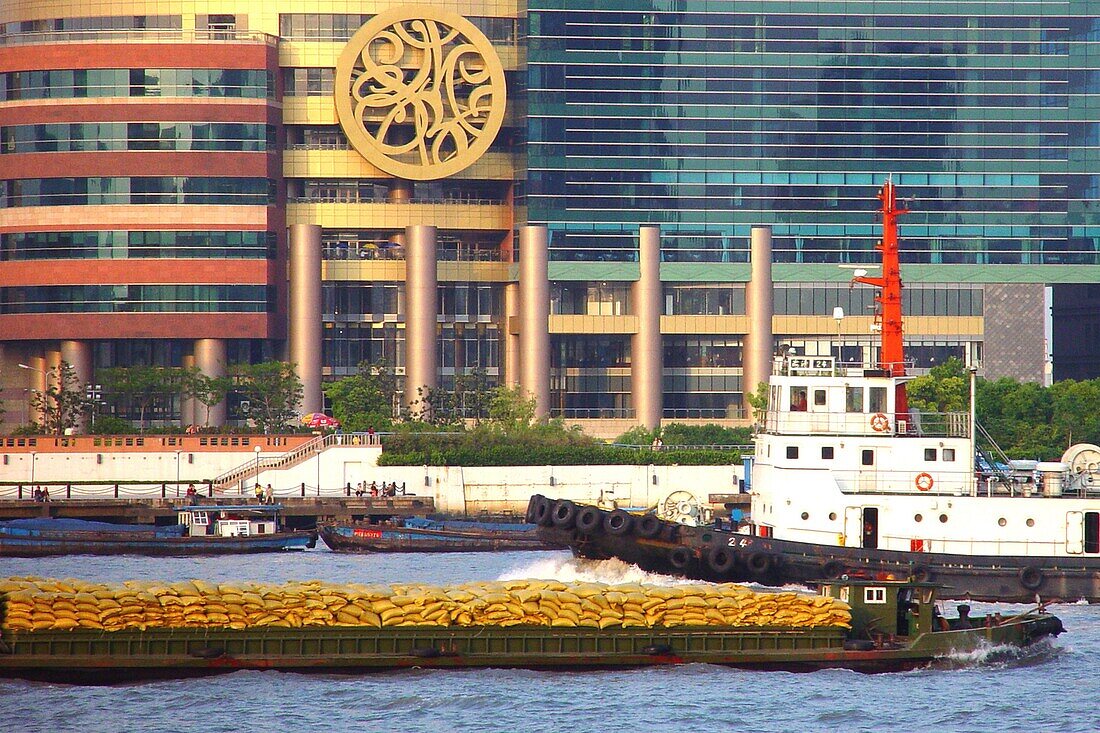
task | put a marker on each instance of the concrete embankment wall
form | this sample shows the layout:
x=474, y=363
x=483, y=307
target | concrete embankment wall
x=455, y=489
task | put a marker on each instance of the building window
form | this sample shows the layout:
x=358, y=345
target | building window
x=949, y=454
x=929, y=454
x=827, y=452
x=853, y=399
x=792, y=452
x=867, y=457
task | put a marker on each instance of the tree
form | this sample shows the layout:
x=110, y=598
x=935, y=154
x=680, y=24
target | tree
x=946, y=388
x=510, y=409
x=472, y=394
x=62, y=403
x=758, y=400
x=273, y=391
x=364, y=400
x=142, y=386
x=208, y=391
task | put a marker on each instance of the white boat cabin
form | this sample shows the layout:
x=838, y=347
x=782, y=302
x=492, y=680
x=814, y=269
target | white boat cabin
x=838, y=463
x=228, y=521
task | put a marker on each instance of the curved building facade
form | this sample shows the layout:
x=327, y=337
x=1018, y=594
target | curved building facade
x=555, y=195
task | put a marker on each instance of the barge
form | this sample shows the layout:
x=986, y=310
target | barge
x=893, y=626
x=199, y=530
x=417, y=534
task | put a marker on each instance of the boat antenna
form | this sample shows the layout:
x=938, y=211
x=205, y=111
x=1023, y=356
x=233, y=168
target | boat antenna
x=892, y=349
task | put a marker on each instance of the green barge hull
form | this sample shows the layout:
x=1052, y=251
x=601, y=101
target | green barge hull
x=98, y=657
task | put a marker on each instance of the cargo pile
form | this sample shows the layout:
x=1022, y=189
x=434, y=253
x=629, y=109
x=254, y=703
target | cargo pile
x=39, y=604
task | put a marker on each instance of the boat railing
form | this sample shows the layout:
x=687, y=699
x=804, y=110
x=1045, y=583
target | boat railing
x=790, y=365
x=882, y=424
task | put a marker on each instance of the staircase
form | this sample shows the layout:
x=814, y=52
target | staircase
x=253, y=468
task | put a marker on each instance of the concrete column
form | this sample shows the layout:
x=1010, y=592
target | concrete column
x=191, y=411
x=760, y=307
x=210, y=358
x=534, y=330
x=646, y=350
x=511, y=340
x=421, y=310
x=400, y=191
x=79, y=355
x=305, y=312
x=53, y=361
x=38, y=383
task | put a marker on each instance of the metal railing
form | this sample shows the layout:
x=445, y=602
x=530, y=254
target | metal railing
x=302, y=453
x=132, y=35
x=916, y=424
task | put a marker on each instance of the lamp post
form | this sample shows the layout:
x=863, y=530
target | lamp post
x=257, y=449
x=838, y=316
x=93, y=393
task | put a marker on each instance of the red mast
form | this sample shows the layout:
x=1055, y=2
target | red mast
x=892, y=350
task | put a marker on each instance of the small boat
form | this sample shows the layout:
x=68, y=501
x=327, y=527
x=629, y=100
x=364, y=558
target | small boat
x=199, y=530
x=418, y=534
x=846, y=478
x=894, y=626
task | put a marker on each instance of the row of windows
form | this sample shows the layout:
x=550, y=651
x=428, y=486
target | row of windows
x=366, y=192
x=97, y=23
x=342, y=26
x=95, y=136
x=137, y=299
x=79, y=83
x=344, y=300
x=590, y=298
x=819, y=300
x=122, y=245
x=460, y=346
x=587, y=352
x=856, y=14
x=137, y=190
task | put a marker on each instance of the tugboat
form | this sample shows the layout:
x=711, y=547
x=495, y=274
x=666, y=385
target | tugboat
x=847, y=479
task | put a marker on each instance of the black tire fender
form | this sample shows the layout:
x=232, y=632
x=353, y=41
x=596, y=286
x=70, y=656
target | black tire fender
x=920, y=573
x=618, y=523
x=649, y=526
x=721, y=559
x=759, y=563
x=832, y=569
x=533, y=502
x=565, y=514
x=680, y=557
x=589, y=519
x=1031, y=577
x=543, y=514
x=657, y=650
x=859, y=645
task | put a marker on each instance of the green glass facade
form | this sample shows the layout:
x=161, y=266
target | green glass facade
x=710, y=117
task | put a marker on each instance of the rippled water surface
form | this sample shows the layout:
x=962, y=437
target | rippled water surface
x=1055, y=689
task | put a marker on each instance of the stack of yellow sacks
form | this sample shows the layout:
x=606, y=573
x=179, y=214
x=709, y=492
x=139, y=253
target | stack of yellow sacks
x=35, y=604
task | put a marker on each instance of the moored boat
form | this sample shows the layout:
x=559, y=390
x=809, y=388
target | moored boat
x=200, y=530
x=889, y=626
x=417, y=534
x=846, y=478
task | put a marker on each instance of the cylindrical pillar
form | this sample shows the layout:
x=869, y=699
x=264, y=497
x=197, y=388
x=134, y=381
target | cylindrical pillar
x=78, y=354
x=189, y=415
x=760, y=307
x=646, y=357
x=53, y=361
x=39, y=383
x=399, y=191
x=511, y=335
x=210, y=358
x=305, y=312
x=534, y=330
x=421, y=309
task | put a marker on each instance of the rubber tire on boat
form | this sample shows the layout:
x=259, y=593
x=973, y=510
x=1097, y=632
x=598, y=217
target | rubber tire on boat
x=424, y=652
x=208, y=652
x=859, y=645
x=832, y=570
x=589, y=520
x=649, y=526
x=529, y=517
x=657, y=650
x=618, y=523
x=565, y=514
x=1031, y=577
x=679, y=558
x=920, y=574
x=759, y=563
x=543, y=515
x=721, y=559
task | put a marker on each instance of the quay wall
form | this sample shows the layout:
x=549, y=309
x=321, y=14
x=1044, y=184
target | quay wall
x=455, y=490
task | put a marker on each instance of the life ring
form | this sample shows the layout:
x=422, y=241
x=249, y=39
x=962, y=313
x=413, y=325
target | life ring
x=589, y=520
x=649, y=526
x=565, y=513
x=721, y=559
x=924, y=481
x=880, y=423
x=618, y=523
x=679, y=558
x=1031, y=577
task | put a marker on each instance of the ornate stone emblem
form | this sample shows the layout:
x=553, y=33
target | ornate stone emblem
x=420, y=92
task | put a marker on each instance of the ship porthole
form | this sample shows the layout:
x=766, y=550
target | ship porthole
x=832, y=516
x=943, y=518
x=805, y=515
x=1002, y=522
x=918, y=518
x=1030, y=522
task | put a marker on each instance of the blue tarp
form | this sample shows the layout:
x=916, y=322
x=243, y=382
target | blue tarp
x=43, y=524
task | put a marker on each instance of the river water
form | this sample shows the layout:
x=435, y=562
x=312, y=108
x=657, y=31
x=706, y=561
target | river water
x=1053, y=690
